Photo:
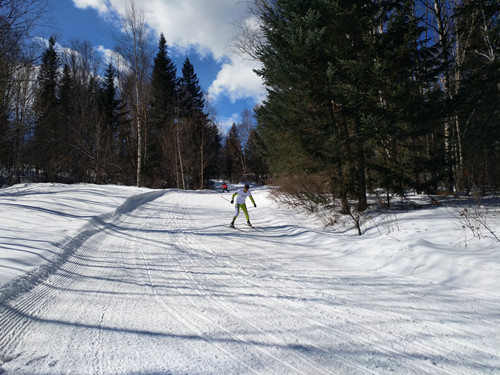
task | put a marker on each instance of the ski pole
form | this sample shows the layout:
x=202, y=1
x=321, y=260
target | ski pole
x=225, y=199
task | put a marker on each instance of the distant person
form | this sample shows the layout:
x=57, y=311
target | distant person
x=242, y=195
x=224, y=187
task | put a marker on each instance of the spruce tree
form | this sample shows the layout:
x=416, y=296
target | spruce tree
x=44, y=151
x=160, y=166
x=346, y=87
x=232, y=155
x=478, y=98
x=66, y=118
x=403, y=121
x=212, y=150
x=311, y=116
x=111, y=138
x=110, y=107
x=194, y=122
x=256, y=161
x=192, y=100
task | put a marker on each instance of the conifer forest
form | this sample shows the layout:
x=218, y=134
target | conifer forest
x=362, y=96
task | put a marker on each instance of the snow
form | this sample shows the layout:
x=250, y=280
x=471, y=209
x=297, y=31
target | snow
x=122, y=280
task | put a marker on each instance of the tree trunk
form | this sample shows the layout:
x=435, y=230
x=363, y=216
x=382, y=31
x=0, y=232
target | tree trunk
x=137, y=116
x=452, y=137
x=181, y=168
x=202, y=161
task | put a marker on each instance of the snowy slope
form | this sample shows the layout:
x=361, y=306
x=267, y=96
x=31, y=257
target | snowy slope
x=38, y=221
x=120, y=280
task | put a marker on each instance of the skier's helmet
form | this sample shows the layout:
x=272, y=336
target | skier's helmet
x=247, y=186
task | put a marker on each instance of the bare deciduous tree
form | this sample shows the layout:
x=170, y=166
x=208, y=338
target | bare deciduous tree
x=136, y=46
x=18, y=20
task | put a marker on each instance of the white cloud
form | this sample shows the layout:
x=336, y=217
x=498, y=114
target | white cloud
x=111, y=56
x=107, y=53
x=99, y=5
x=238, y=81
x=207, y=26
x=225, y=123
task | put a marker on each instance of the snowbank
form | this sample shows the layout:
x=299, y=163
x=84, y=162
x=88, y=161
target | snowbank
x=38, y=223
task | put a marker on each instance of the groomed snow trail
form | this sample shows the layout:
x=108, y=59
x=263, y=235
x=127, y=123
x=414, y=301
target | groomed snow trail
x=164, y=287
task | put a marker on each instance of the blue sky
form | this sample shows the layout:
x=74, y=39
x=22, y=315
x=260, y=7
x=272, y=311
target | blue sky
x=199, y=29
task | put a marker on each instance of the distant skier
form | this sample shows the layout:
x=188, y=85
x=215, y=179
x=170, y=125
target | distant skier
x=240, y=203
x=224, y=187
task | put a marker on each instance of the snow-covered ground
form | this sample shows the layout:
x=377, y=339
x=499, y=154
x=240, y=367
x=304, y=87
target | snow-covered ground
x=121, y=280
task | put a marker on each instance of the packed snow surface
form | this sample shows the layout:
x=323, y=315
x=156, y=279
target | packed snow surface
x=121, y=280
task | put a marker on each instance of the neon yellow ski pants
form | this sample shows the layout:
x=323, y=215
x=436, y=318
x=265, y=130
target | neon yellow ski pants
x=243, y=208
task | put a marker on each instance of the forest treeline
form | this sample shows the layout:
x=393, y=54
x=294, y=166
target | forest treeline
x=362, y=95
x=387, y=95
x=67, y=116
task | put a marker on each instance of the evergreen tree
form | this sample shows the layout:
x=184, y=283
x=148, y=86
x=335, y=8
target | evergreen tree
x=212, y=150
x=312, y=115
x=478, y=97
x=45, y=153
x=110, y=108
x=346, y=85
x=194, y=123
x=232, y=155
x=192, y=100
x=111, y=139
x=256, y=161
x=66, y=119
x=403, y=120
x=164, y=84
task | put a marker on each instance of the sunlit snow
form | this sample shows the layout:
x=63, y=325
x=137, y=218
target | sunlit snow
x=122, y=280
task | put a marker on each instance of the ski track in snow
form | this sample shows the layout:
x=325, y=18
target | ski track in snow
x=164, y=287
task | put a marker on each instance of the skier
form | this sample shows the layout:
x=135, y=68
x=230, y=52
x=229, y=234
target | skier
x=240, y=203
x=224, y=187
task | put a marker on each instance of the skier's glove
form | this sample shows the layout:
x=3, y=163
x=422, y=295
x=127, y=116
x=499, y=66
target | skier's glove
x=254, y=205
x=232, y=201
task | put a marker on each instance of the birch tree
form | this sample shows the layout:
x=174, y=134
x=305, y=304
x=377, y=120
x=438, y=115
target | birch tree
x=135, y=46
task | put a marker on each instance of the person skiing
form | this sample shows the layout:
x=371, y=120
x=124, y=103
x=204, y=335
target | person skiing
x=240, y=203
x=224, y=187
